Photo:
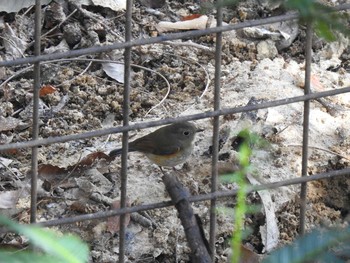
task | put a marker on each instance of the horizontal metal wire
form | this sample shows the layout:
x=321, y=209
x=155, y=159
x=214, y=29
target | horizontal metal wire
x=149, y=124
x=197, y=198
x=153, y=40
x=174, y=36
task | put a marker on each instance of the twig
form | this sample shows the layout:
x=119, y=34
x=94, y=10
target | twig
x=81, y=73
x=188, y=44
x=95, y=18
x=100, y=61
x=12, y=43
x=321, y=149
x=140, y=67
x=206, y=75
x=16, y=75
x=165, y=96
x=75, y=167
x=180, y=198
x=8, y=168
x=60, y=24
x=132, y=65
x=54, y=28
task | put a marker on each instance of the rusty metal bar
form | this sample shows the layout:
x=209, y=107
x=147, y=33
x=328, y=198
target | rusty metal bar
x=150, y=124
x=173, y=36
x=127, y=45
x=306, y=122
x=216, y=126
x=147, y=41
x=125, y=139
x=35, y=133
x=197, y=198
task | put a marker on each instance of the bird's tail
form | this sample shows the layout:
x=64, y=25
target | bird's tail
x=115, y=152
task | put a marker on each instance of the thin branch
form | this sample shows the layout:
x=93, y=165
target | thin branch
x=321, y=149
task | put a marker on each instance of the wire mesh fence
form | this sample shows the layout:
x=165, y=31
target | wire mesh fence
x=216, y=113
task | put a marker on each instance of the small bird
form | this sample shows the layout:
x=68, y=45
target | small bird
x=168, y=146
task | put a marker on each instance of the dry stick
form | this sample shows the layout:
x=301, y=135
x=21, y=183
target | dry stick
x=54, y=28
x=133, y=65
x=188, y=44
x=101, y=61
x=205, y=71
x=12, y=43
x=206, y=75
x=8, y=168
x=321, y=149
x=179, y=196
x=69, y=172
x=80, y=74
x=143, y=221
x=95, y=18
x=67, y=17
x=28, y=10
x=18, y=73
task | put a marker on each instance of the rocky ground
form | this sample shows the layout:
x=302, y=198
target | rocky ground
x=169, y=80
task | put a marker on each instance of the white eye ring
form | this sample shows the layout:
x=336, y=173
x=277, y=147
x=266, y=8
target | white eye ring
x=186, y=133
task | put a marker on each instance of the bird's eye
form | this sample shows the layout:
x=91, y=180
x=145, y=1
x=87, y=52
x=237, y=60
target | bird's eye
x=186, y=133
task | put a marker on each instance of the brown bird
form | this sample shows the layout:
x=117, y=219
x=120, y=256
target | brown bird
x=167, y=146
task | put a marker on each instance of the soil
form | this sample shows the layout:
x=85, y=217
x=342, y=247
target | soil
x=86, y=99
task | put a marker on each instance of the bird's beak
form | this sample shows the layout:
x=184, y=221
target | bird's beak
x=199, y=130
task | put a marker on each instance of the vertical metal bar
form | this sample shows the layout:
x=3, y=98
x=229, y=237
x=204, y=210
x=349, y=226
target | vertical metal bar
x=214, y=174
x=125, y=140
x=307, y=90
x=35, y=134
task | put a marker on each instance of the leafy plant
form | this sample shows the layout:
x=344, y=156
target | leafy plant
x=247, y=140
x=319, y=245
x=322, y=17
x=325, y=21
x=49, y=246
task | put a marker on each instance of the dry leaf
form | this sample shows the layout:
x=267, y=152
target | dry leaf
x=15, y=6
x=248, y=255
x=46, y=89
x=114, y=70
x=54, y=174
x=113, y=223
x=269, y=232
x=89, y=160
x=80, y=207
x=47, y=170
x=190, y=17
x=115, y=5
x=9, y=199
x=13, y=45
x=9, y=123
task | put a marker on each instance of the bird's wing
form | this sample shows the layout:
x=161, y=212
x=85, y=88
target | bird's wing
x=147, y=145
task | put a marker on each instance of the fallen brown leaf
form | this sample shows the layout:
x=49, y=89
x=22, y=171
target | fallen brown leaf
x=46, y=89
x=190, y=17
x=113, y=223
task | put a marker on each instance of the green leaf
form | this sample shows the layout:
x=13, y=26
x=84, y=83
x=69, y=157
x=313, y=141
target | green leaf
x=26, y=257
x=66, y=248
x=323, y=30
x=230, y=178
x=326, y=22
x=313, y=246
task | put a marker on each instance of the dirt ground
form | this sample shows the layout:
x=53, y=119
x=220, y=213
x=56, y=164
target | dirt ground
x=79, y=96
